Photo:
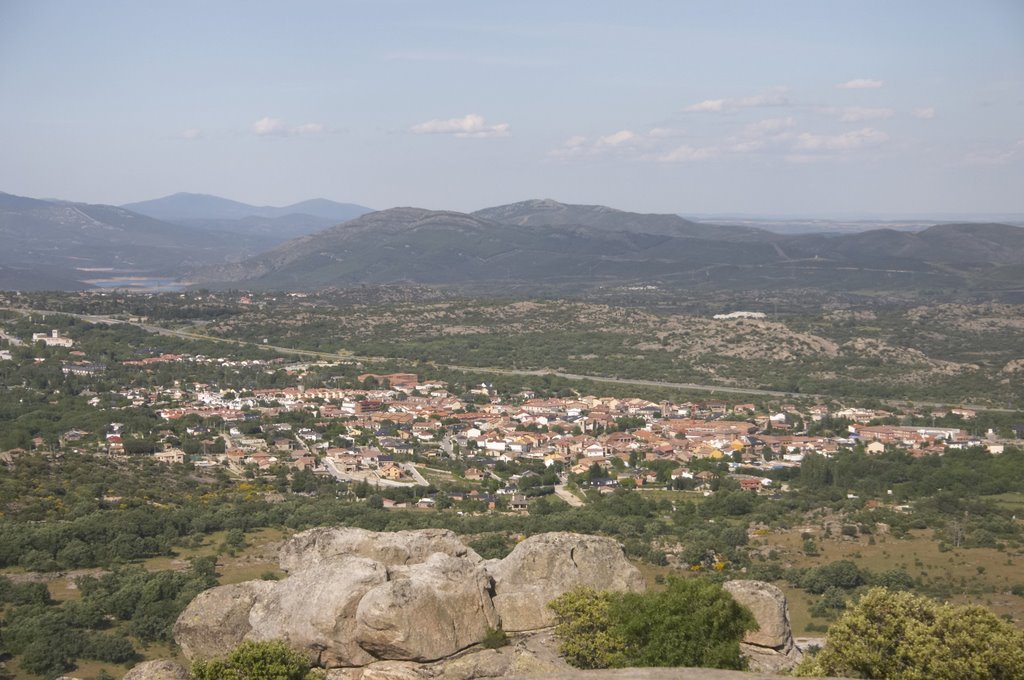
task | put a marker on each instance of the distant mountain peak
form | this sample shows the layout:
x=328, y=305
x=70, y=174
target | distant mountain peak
x=184, y=206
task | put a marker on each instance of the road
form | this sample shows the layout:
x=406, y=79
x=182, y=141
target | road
x=569, y=497
x=346, y=356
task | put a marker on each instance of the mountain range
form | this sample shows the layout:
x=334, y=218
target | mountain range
x=263, y=227
x=53, y=244
x=184, y=206
x=536, y=243
x=545, y=243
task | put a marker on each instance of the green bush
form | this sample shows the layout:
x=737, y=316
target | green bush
x=492, y=546
x=693, y=622
x=901, y=636
x=268, y=660
x=494, y=638
x=584, y=627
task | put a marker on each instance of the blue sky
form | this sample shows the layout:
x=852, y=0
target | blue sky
x=719, y=106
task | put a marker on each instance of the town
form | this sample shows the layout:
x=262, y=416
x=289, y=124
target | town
x=506, y=448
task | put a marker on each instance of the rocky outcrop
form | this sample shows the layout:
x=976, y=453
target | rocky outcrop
x=414, y=605
x=770, y=648
x=657, y=674
x=315, y=609
x=161, y=669
x=544, y=566
x=355, y=598
x=534, y=654
x=427, y=611
x=218, y=620
x=317, y=546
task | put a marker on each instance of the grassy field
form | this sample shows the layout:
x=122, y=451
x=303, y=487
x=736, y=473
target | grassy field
x=975, y=575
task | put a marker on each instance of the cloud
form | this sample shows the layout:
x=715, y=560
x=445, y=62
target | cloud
x=769, y=126
x=268, y=126
x=924, y=113
x=707, y=105
x=997, y=156
x=619, y=142
x=617, y=138
x=774, y=98
x=856, y=114
x=761, y=135
x=191, y=133
x=860, y=84
x=665, y=132
x=470, y=125
x=686, y=153
x=847, y=141
x=307, y=129
x=805, y=158
x=657, y=144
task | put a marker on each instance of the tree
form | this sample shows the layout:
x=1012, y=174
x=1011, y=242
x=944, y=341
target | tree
x=267, y=660
x=902, y=636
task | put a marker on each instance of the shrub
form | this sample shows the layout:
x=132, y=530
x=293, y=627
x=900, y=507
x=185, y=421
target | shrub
x=693, y=622
x=902, y=636
x=584, y=627
x=494, y=638
x=268, y=660
x=492, y=546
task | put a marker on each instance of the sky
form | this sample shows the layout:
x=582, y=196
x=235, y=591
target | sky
x=758, y=107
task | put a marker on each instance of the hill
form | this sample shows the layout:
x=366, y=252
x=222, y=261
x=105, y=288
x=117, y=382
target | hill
x=545, y=243
x=547, y=212
x=442, y=247
x=52, y=244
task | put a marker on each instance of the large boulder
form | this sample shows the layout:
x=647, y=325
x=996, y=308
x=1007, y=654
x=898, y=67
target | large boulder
x=547, y=565
x=771, y=647
x=768, y=605
x=315, y=610
x=160, y=669
x=427, y=611
x=217, y=620
x=327, y=544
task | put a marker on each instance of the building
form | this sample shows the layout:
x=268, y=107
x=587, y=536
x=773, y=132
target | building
x=54, y=339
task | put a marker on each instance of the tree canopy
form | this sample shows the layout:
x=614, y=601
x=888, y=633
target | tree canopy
x=902, y=636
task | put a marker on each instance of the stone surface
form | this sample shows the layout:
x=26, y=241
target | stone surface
x=547, y=565
x=325, y=544
x=217, y=620
x=315, y=610
x=381, y=670
x=655, y=674
x=770, y=648
x=161, y=669
x=768, y=605
x=531, y=653
x=427, y=611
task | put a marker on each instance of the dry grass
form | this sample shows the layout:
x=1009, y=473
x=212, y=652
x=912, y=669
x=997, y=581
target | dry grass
x=976, y=575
